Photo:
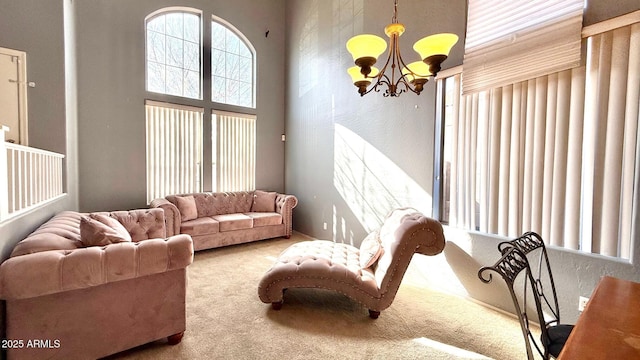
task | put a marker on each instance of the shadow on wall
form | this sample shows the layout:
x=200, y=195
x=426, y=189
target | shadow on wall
x=370, y=184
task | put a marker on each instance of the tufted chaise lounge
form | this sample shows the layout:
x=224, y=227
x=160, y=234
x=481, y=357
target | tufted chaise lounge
x=90, y=302
x=339, y=267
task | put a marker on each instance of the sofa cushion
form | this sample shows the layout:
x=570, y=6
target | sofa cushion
x=200, y=226
x=370, y=250
x=142, y=224
x=229, y=222
x=100, y=230
x=264, y=201
x=187, y=207
x=265, y=218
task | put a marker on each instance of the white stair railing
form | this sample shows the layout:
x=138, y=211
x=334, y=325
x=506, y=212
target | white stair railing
x=29, y=177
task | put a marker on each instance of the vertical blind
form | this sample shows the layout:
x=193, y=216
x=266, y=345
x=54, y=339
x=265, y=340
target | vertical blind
x=236, y=151
x=556, y=154
x=511, y=41
x=174, y=149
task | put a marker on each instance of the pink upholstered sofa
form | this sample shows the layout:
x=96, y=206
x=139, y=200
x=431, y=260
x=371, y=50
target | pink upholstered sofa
x=86, y=302
x=226, y=218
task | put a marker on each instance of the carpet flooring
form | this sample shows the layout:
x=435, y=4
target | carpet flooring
x=226, y=320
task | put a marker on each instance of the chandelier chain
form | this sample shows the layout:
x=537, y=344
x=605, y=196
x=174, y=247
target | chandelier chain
x=394, y=19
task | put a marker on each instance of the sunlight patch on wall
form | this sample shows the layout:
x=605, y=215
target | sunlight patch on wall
x=370, y=183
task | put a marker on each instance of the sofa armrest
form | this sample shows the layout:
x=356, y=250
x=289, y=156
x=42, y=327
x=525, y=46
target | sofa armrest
x=55, y=271
x=284, y=206
x=172, y=217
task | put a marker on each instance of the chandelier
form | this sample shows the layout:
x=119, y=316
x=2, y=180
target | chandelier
x=366, y=48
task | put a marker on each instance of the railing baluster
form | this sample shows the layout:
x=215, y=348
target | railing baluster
x=28, y=177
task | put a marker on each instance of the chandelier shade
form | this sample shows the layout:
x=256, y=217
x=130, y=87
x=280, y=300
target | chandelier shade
x=366, y=45
x=366, y=48
x=435, y=47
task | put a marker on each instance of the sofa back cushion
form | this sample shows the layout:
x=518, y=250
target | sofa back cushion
x=142, y=224
x=218, y=203
x=62, y=232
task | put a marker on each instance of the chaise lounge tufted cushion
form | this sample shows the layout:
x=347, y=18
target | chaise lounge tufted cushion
x=337, y=266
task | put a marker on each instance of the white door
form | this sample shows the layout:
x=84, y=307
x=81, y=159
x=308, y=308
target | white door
x=13, y=95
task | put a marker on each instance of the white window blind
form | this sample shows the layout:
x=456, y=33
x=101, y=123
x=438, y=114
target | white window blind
x=556, y=154
x=174, y=149
x=236, y=151
x=516, y=40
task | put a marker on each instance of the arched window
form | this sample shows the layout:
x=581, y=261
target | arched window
x=232, y=66
x=174, y=48
x=176, y=140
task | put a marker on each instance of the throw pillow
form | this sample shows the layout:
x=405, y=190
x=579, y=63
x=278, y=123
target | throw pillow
x=187, y=207
x=264, y=201
x=370, y=250
x=100, y=230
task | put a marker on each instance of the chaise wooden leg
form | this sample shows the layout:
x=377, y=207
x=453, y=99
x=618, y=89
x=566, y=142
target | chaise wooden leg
x=276, y=305
x=374, y=314
x=287, y=237
x=175, y=338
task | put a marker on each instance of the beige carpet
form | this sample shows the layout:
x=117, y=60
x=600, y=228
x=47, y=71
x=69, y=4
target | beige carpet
x=226, y=320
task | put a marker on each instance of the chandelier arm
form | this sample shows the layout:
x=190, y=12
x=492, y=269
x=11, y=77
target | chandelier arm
x=396, y=54
x=382, y=80
x=402, y=79
x=381, y=77
x=409, y=87
x=384, y=68
x=404, y=65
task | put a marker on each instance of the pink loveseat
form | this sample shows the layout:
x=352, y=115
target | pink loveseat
x=86, y=302
x=226, y=218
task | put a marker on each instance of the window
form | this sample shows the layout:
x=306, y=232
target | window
x=231, y=67
x=174, y=54
x=555, y=154
x=176, y=143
